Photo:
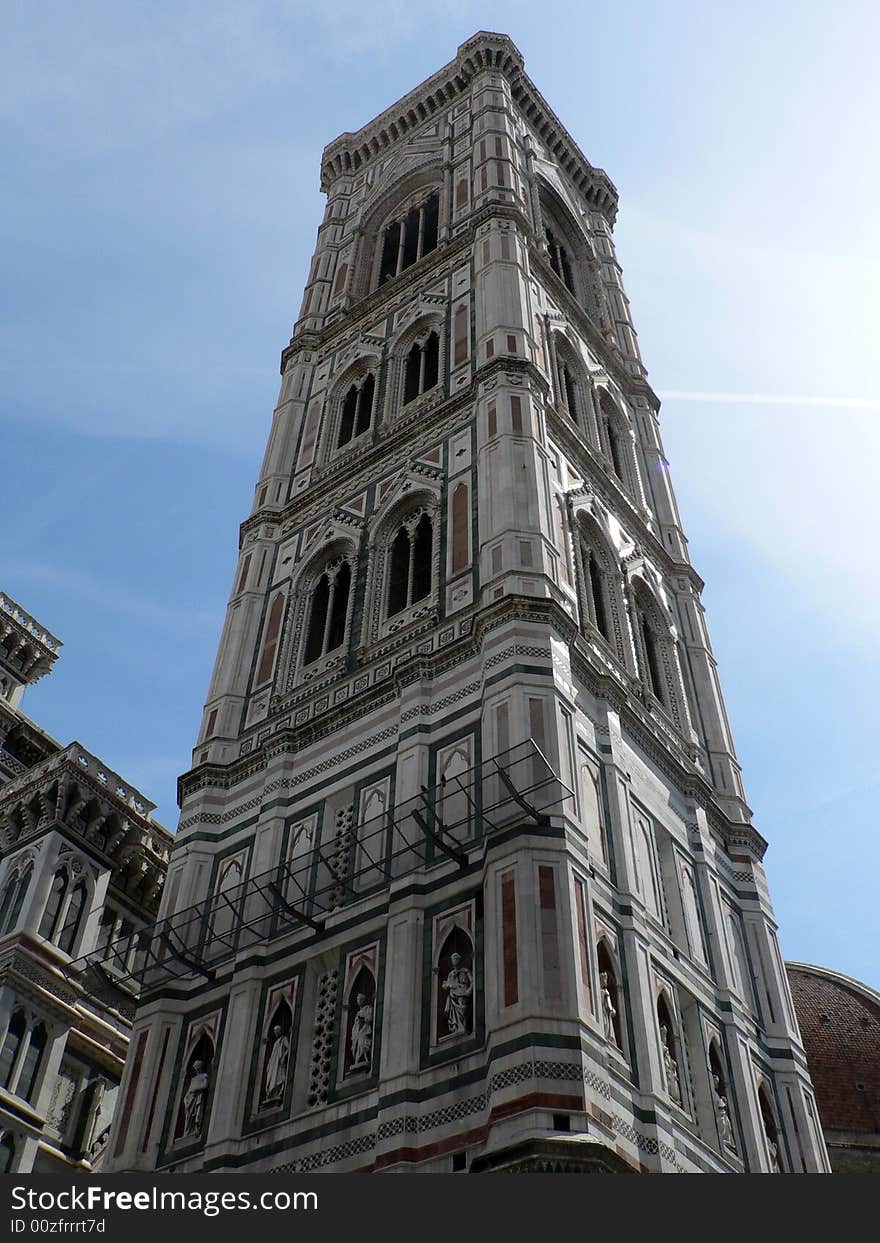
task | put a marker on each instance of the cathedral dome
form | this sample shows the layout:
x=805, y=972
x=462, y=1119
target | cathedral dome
x=840, y=1025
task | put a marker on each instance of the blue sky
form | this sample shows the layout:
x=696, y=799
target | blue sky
x=161, y=204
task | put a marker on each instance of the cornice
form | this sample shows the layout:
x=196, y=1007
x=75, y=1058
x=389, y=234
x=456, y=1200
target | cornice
x=486, y=51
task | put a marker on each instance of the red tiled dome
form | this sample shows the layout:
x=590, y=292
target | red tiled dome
x=840, y=1024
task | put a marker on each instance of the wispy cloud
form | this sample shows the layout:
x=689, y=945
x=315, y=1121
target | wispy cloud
x=771, y=399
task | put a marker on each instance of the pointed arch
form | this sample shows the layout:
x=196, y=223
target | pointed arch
x=573, y=392
x=276, y=1059
x=600, y=583
x=360, y=1011
x=656, y=654
x=455, y=985
x=74, y=916
x=610, y=992
x=192, y=1107
x=400, y=227
x=52, y=910
x=616, y=444
x=15, y=1035
x=31, y=1067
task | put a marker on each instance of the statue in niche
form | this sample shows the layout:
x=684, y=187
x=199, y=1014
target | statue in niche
x=194, y=1100
x=670, y=1066
x=609, y=1010
x=362, y=1034
x=773, y=1150
x=458, y=986
x=276, y=1065
x=725, y=1128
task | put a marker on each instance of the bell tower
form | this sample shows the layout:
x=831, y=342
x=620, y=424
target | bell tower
x=465, y=877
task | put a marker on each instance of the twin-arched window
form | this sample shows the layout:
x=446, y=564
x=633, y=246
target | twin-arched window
x=410, y=237
x=356, y=414
x=328, y=611
x=422, y=367
x=560, y=259
x=410, y=565
x=21, y=1056
x=64, y=912
x=13, y=898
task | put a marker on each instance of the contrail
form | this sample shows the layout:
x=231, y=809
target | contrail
x=770, y=399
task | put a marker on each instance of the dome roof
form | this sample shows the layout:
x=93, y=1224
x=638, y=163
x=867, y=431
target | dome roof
x=839, y=1020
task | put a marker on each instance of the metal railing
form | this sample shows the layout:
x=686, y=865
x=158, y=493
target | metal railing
x=440, y=825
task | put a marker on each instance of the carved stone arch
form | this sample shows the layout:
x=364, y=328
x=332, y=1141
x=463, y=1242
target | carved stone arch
x=276, y=1054
x=654, y=639
x=359, y=1014
x=601, y=582
x=617, y=441
x=408, y=188
x=403, y=506
x=455, y=951
x=572, y=383
x=324, y=558
x=425, y=318
x=355, y=367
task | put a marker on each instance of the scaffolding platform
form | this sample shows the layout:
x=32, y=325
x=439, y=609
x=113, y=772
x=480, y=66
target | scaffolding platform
x=441, y=825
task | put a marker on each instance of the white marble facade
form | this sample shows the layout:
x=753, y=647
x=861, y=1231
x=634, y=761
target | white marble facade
x=464, y=537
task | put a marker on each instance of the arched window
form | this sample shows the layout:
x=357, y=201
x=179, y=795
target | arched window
x=328, y=612
x=24, y=881
x=28, y=1080
x=52, y=911
x=73, y=918
x=15, y=1034
x=601, y=585
x=596, y=593
x=560, y=259
x=7, y=1152
x=410, y=569
x=422, y=367
x=357, y=410
x=13, y=898
x=408, y=238
x=611, y=437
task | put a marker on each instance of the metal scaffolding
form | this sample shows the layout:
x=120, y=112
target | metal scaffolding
x=440, y=825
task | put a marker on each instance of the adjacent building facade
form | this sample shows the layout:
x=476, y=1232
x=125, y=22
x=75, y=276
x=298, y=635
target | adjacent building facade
x=465, y=877
x=81, y=864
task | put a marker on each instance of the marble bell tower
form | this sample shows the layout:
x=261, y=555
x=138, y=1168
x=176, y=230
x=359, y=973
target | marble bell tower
x=465, y=878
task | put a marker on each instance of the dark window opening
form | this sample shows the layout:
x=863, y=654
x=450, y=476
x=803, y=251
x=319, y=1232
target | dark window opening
x=653, y=670
x=357, y=410
x=459, y=1162
x=73, y=919
x=410, y=569
x=422, y=369
x=407, y=240
x=53, y=905
x=561, y=1122
x=614, y=444
x=570, y=393
x=600, y=617
x=30, y=1067
x=318, y=619
x=559, y=260
x=329, y=612
x=11, y=1046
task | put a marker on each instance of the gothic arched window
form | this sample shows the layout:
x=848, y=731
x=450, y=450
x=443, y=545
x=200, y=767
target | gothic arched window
x=560, y=259
x=422, y=367
x=15, y=1034
x=52, y=911
x=328, y=612
x=616, y=442
x=655, y=650
x=13, y=898
x=28, y=1080
x=356, y=413
x=73, y=918
x=408, y=238
x=410, y=569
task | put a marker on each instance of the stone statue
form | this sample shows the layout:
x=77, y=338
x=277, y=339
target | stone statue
x=194, y=1101
x=725, y=1129
x=773, y=1150
x=458, y=986
x=276, y=1065
x=670, y=1066
x=609, y=1010
x=362, y=1034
